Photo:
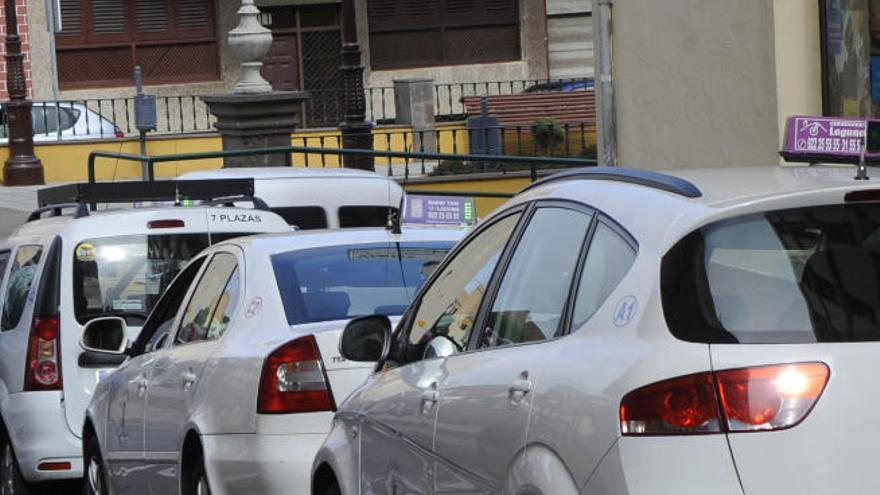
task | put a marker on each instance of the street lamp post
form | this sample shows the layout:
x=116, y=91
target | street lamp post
x=357, y=133
x=22, y=168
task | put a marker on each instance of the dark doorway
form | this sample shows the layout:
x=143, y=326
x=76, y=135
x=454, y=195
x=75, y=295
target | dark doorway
x=306, y=54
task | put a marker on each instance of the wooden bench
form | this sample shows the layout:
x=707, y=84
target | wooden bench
x=571, y=107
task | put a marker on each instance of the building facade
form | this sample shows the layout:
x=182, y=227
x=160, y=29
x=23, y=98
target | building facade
x=87, y=49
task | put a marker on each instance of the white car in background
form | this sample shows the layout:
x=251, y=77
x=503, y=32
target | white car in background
x=60, y=272
x=65, y=121
x=618, y=331
x=319, y=198
x=231, y=386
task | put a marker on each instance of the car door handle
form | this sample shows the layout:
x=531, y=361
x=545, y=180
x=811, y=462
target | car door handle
x=189, y=379
x=141, y=383
x=520, y=387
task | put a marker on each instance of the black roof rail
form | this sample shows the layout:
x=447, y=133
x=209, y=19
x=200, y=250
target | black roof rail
x=136, y=191
x=647, y=178
x=81, y=211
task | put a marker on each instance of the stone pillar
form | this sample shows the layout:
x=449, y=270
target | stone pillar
x=254, y=116
x=414, y=106
x=256, y=121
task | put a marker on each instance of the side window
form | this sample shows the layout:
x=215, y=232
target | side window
x=21, y=277
x=4, y=262
x=211, y=303
x=532, y=295
x=158, y=326
x=449, y=307
x=608, y=260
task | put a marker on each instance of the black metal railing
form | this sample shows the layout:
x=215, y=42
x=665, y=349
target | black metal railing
x=304, y=154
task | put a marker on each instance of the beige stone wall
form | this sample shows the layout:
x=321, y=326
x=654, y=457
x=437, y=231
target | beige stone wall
x=695, y=83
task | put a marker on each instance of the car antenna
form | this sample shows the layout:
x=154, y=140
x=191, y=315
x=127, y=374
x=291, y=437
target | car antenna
x=862, y=170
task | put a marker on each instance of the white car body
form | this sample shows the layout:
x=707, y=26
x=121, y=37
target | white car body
x=44, y=427
x=151, y=427
x=290, y=191
x=67, y=121
x=547, y=416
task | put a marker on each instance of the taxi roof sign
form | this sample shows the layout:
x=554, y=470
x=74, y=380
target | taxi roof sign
x=831, y=140
x=439, y=210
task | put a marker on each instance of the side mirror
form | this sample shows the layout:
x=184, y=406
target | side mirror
x=366, y=339
x=105, y=336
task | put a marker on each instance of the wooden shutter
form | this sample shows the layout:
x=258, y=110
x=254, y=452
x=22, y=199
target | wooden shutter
x=193, y=15
x=71, y=17
x=108, y=17
x=382, y=14
x=151, y=16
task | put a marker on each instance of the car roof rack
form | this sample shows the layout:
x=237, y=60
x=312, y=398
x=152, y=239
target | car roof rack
x=647, y=178
x=85, y=194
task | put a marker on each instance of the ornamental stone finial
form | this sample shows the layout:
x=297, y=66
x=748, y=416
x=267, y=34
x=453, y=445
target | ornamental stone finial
x=250, y=41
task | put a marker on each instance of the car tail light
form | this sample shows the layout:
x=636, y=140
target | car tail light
x=748, y=399
x=43, y=370
x=166, y=224
x=294, y=381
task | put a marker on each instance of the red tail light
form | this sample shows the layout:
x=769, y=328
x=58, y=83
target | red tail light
x=43, y=371
x=294, y=380
x=748, y=399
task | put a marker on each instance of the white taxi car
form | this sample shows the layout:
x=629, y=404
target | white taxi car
x=232, y=383
x=59, y=272
x=615, y=331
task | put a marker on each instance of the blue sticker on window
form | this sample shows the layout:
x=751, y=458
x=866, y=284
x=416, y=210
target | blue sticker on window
x=625, y=311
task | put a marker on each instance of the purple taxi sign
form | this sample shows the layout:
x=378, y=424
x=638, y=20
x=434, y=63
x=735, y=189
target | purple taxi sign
x=826, y=139
x=439, y=210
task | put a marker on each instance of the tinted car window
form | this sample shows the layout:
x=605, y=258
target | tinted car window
x=788, y=276
x=341, y=282
x=535, y=286
x=608, y=260
x=304, y=217
x=21, y=278
x=155, y=333
x=364, y=216
x=449, y=307
x=4, y=262
x=205, y=317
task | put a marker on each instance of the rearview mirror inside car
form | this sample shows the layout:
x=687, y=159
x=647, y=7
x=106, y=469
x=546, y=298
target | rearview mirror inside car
x=366, y=339
x=105, y=335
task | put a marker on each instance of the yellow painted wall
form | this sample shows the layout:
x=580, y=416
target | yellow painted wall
x=797, y=40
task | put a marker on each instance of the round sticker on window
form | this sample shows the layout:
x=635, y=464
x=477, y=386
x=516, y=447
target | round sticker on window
x=85, y=252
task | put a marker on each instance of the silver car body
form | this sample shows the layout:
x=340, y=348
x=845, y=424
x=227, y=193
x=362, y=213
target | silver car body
x=544, y=417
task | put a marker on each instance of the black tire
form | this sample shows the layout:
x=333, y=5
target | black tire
x=197, y=484
x=94, y=474
x=11, y=481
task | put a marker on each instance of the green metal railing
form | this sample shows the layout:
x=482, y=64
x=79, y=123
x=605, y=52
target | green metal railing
x=533, y=163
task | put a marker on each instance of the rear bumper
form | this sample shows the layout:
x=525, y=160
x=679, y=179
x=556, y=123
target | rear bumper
x=260, y=464
x=39, y=433
x=684, y=465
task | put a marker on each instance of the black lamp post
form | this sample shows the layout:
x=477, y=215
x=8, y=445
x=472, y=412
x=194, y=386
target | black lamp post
x=357, y=133
x=22, y=168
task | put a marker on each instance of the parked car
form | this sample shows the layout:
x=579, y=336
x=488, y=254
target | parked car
x=232, y=383
x=320, y=198
x=615, y=331
x=64, y=121
x=58, y=274
x=562, y=85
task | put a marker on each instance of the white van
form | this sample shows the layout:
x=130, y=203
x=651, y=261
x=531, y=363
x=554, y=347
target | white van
x=68, y=266
x=319, y=198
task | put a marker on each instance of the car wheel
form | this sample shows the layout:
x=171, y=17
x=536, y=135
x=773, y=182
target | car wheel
x=95, y=480
x=11, y=481
x=199, y=478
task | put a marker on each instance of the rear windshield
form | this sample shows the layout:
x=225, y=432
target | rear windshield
x=341, y=282
x=125, y=275
x=788, y=276
x=364, y=216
